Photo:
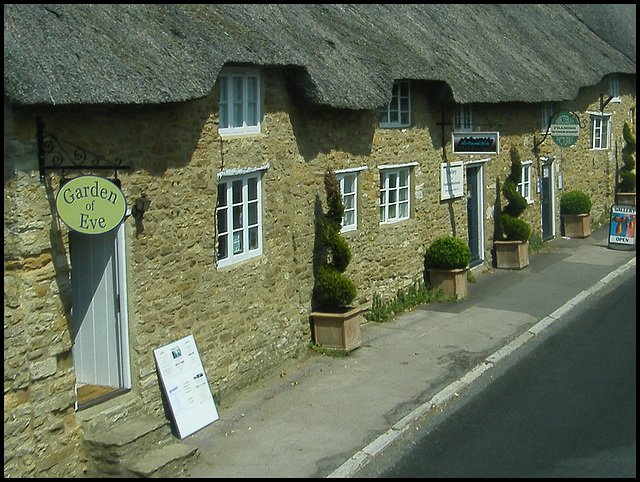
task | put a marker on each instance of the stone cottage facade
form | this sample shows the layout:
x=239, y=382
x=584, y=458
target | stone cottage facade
x=225, y=249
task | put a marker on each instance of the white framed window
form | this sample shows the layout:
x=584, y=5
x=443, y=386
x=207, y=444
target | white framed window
x=239, y=217
x=614, y=87
x=398, y=112
x=239, y=101
x=524, y=186
x=600, y=130
x=546, y=112
x=349, y=188
x=462, y=118
x=395, y=199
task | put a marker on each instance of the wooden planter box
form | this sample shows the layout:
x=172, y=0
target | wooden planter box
x=338, y=331
x=452, y=282
x=511, y=254
x=577, y=225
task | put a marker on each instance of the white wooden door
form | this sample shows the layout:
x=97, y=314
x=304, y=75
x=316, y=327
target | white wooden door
x=100, y=340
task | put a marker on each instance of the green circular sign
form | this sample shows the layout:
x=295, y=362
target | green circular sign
x=91, y=205
x=565, y=128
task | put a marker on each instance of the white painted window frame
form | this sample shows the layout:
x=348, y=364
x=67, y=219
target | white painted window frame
x=599, y=131
x=524, y=186
x=350, y=199
x=232, y=108
x=614, y=88
x=247, y=212
x=395, y=197
x=391, y=115
x=547, y=110
x=463, y=118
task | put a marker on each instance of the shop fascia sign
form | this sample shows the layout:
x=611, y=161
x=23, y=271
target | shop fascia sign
x=475, y=142
x=91, y=205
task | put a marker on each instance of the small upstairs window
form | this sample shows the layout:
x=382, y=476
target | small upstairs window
x=239, y=101
x=398, y=112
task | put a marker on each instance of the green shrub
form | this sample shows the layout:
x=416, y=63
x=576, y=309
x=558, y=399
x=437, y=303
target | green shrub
x=514, y=229
x=447, y=252
x=332, y=291
x=575, y=202
x=627, y=182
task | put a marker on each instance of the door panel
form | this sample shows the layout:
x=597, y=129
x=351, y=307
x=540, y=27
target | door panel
x=546, y=201
x=97, y=350
x=475, y=214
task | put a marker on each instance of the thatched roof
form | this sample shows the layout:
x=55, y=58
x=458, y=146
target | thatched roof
x=345, y=56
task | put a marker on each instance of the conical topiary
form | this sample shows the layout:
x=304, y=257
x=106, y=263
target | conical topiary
x=333, y=291
x=514, y=229
x=627, y=181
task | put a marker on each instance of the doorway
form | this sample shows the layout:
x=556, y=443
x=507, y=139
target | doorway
x=475, y=213
x=547, y=199
x=100, y=347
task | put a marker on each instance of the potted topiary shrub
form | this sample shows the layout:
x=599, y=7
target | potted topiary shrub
x=446, y=261
x=335, y=323
x=512, y=252
x=626, y=190
x=575, y=210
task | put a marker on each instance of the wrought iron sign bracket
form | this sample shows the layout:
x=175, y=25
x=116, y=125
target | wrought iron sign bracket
x=58, y=154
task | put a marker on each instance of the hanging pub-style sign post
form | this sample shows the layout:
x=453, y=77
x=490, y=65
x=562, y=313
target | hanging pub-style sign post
x=564, y=128
x=91, y=205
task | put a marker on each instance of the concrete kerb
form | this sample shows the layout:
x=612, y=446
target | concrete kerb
x=358, y=460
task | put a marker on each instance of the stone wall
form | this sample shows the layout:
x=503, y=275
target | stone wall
x=248, y=317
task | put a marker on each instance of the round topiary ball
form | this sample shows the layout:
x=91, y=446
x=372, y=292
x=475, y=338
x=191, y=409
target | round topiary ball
x=447, y=252
x=575, y=202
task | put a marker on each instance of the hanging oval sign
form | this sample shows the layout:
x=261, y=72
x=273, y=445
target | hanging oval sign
x=565, y=128
x=91, y=205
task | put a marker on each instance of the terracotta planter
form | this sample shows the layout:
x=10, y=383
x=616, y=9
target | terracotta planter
x=452, y=282
x=577, y=225
x=511, y=254
x=338, y=331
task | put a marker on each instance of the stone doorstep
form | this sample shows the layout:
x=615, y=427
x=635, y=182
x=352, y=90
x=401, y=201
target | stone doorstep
x=133, y=442
x=125, y=433
x=166, y=461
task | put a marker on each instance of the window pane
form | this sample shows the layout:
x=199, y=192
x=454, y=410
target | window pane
x=404, y=177
x=349, y=218
x=237, y=242
x=253, y=214
x=222, y=194
x=404, y=210
x=237, y=217
x=224, y=115
x=252, y=184
x=252, y=89
x=237, y=89
x=392, y=211
x=224, y=106
x=237, y=192
x=348, y=201
x=222, y=221
x=348, y=184
x=253, y=238
x=223, y=248
x=237, y=102
x=384, y=116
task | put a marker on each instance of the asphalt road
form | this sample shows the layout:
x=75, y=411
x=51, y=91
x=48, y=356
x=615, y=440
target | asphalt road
x=564, y=406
